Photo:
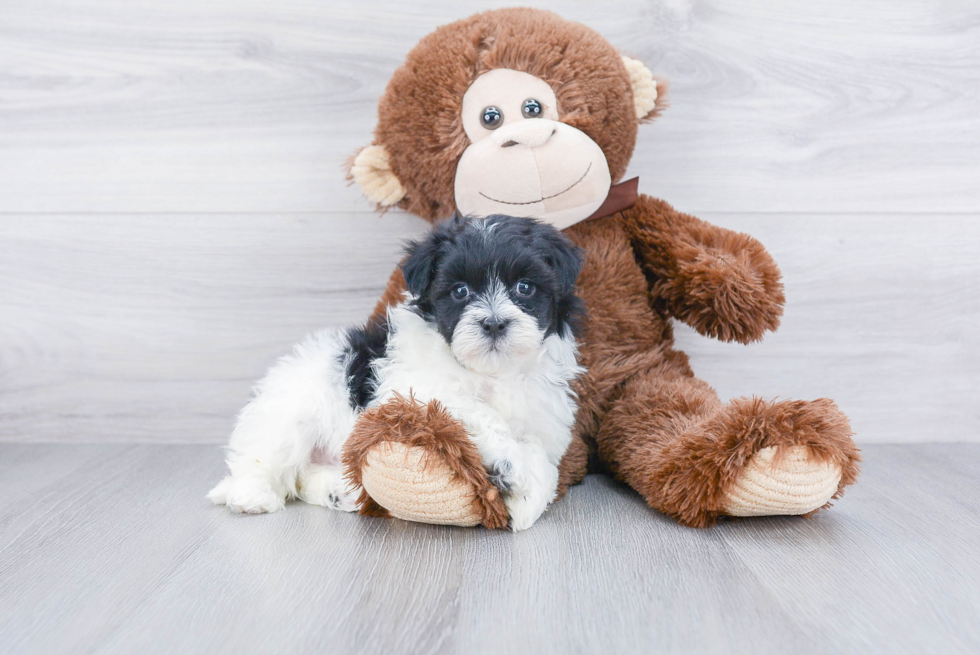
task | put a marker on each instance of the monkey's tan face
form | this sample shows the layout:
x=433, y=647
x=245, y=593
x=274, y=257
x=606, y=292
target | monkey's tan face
x=522, y=161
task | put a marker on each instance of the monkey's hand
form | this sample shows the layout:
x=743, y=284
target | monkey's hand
x=722, y=283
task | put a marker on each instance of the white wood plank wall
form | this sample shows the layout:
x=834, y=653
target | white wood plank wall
x=173, y=213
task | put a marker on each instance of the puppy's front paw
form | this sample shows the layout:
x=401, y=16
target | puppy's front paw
x=326, y=486
x=524, y=510
x=249, y=495
x=505, y=475
x=533, y=482
x=521, y=495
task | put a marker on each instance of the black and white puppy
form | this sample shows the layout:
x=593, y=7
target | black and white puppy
x=486, y=328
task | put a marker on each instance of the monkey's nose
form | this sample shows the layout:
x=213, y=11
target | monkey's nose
x=530, y=132
x=494, y=327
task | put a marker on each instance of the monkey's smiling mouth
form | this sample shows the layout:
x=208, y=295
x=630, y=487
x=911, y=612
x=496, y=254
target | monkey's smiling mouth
x=554, y=195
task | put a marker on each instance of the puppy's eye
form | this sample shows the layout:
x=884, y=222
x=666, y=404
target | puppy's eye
x=525, y=288
x=460, y=292
x=492, y=118
x=531, y=108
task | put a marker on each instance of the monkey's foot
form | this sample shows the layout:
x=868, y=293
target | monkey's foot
x=416, y=462
x=792, y=483
x=405, y=482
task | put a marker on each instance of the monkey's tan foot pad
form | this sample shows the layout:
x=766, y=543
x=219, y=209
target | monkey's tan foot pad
x=792, y=483
x=415, y=485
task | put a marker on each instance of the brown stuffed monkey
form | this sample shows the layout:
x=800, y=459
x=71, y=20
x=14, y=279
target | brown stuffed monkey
x=520, y=112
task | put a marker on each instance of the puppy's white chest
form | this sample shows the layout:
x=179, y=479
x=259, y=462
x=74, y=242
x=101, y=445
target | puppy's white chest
x=505, y=395
x=534, y=401
x=525, y=402
x=485, y=392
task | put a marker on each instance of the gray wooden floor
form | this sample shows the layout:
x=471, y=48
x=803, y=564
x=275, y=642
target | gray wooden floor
x=113, y=548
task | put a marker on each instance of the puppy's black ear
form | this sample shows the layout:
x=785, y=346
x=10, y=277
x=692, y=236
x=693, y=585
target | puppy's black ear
x=562, y=255
x=422, y=257
x=419, y=265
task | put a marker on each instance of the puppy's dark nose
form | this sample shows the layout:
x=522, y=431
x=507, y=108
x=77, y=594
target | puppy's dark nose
x=494, y=327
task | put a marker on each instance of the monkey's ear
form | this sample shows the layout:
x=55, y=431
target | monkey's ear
x=371, y=170
x=649, y=95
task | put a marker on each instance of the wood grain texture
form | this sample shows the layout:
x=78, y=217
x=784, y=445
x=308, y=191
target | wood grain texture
x=151, y=323
x=113, y=548
x=246, y=106
x=153, y=328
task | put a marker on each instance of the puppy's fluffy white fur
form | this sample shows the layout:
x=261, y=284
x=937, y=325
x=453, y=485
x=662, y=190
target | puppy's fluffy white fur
x=519, y=417
x=300, y=407
x=512, y=393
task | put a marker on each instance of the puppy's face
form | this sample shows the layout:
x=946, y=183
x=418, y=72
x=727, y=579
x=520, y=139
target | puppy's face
x=495, y=287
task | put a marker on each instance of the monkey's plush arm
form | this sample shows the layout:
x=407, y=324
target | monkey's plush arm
x=393, y=294
x=722, y=283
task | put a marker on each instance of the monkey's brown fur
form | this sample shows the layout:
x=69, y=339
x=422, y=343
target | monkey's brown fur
x=642, y=412
x=430, y=427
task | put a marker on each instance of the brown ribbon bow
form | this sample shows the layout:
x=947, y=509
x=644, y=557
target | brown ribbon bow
x=621, y=196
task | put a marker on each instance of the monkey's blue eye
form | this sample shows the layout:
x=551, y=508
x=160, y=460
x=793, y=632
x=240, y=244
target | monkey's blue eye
x=492, y=118
x=525, y=288
x=531, y=108
x=460, y=292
